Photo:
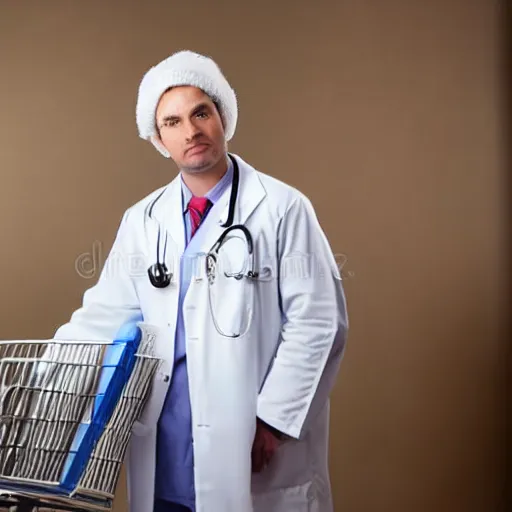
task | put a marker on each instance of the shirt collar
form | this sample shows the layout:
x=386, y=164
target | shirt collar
x=215, y=193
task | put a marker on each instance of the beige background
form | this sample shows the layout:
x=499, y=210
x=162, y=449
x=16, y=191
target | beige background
x=387, y=114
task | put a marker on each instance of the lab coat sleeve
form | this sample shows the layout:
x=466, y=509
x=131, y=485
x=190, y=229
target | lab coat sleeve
x=111, y=302
x=314, y=325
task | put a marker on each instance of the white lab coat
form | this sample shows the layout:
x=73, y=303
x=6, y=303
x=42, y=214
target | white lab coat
x=282, y=370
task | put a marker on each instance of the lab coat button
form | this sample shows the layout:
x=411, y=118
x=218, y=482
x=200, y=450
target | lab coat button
x=166, y=378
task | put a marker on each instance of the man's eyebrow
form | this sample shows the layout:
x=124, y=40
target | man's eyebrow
x=169, y=118
x=198, y=108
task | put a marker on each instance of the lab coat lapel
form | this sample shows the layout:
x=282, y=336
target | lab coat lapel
x=168, y=212
x=251, y=191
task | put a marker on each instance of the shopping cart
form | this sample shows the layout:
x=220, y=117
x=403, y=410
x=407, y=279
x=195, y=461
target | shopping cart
x=66, y=413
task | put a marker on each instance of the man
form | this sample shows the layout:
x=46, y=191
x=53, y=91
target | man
x=238, y=417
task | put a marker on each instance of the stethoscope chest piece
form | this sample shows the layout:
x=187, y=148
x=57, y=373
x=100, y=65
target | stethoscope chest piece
x=159, y=275
x=211, y=264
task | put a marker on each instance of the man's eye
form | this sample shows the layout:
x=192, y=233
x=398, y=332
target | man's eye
x=169, y=123
x=202, y=115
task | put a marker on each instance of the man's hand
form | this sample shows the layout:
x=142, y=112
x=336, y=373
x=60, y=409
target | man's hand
x=264, y=446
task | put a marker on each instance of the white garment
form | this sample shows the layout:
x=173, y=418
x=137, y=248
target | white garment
x=282, y=370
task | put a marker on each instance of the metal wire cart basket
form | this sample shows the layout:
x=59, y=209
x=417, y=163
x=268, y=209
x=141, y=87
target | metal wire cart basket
x=66, y=413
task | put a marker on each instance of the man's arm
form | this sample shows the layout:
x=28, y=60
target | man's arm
x=314, y=328
x=111, y=302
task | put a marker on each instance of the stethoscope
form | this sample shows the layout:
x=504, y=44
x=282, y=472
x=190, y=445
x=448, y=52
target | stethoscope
x=161, y=277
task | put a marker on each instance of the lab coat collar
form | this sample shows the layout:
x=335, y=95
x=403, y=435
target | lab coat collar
x=168, y=210
x=214, y=194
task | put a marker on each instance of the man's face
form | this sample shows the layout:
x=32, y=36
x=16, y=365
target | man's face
x=190, y=128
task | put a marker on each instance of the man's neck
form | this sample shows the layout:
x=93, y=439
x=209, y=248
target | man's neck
x=202, y=182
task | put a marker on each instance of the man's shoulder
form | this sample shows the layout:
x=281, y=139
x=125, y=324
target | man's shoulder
x=285, y=199
x=277, y=191
x=139, y=208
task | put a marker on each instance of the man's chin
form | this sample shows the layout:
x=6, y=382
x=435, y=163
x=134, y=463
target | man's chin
x=197, y=164
x=198, y=167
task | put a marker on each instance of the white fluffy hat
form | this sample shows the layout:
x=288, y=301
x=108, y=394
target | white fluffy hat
x=184, y=68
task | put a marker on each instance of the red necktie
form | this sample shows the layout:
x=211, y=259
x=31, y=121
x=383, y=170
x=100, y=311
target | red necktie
x=197, y=207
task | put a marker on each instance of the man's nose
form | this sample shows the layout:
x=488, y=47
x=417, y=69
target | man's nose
x=192, y=131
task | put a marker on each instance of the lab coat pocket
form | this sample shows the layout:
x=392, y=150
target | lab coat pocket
x=299, y=498
x=291, y=464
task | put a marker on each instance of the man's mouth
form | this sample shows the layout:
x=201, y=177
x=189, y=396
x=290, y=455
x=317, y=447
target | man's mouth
x=198, y=148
